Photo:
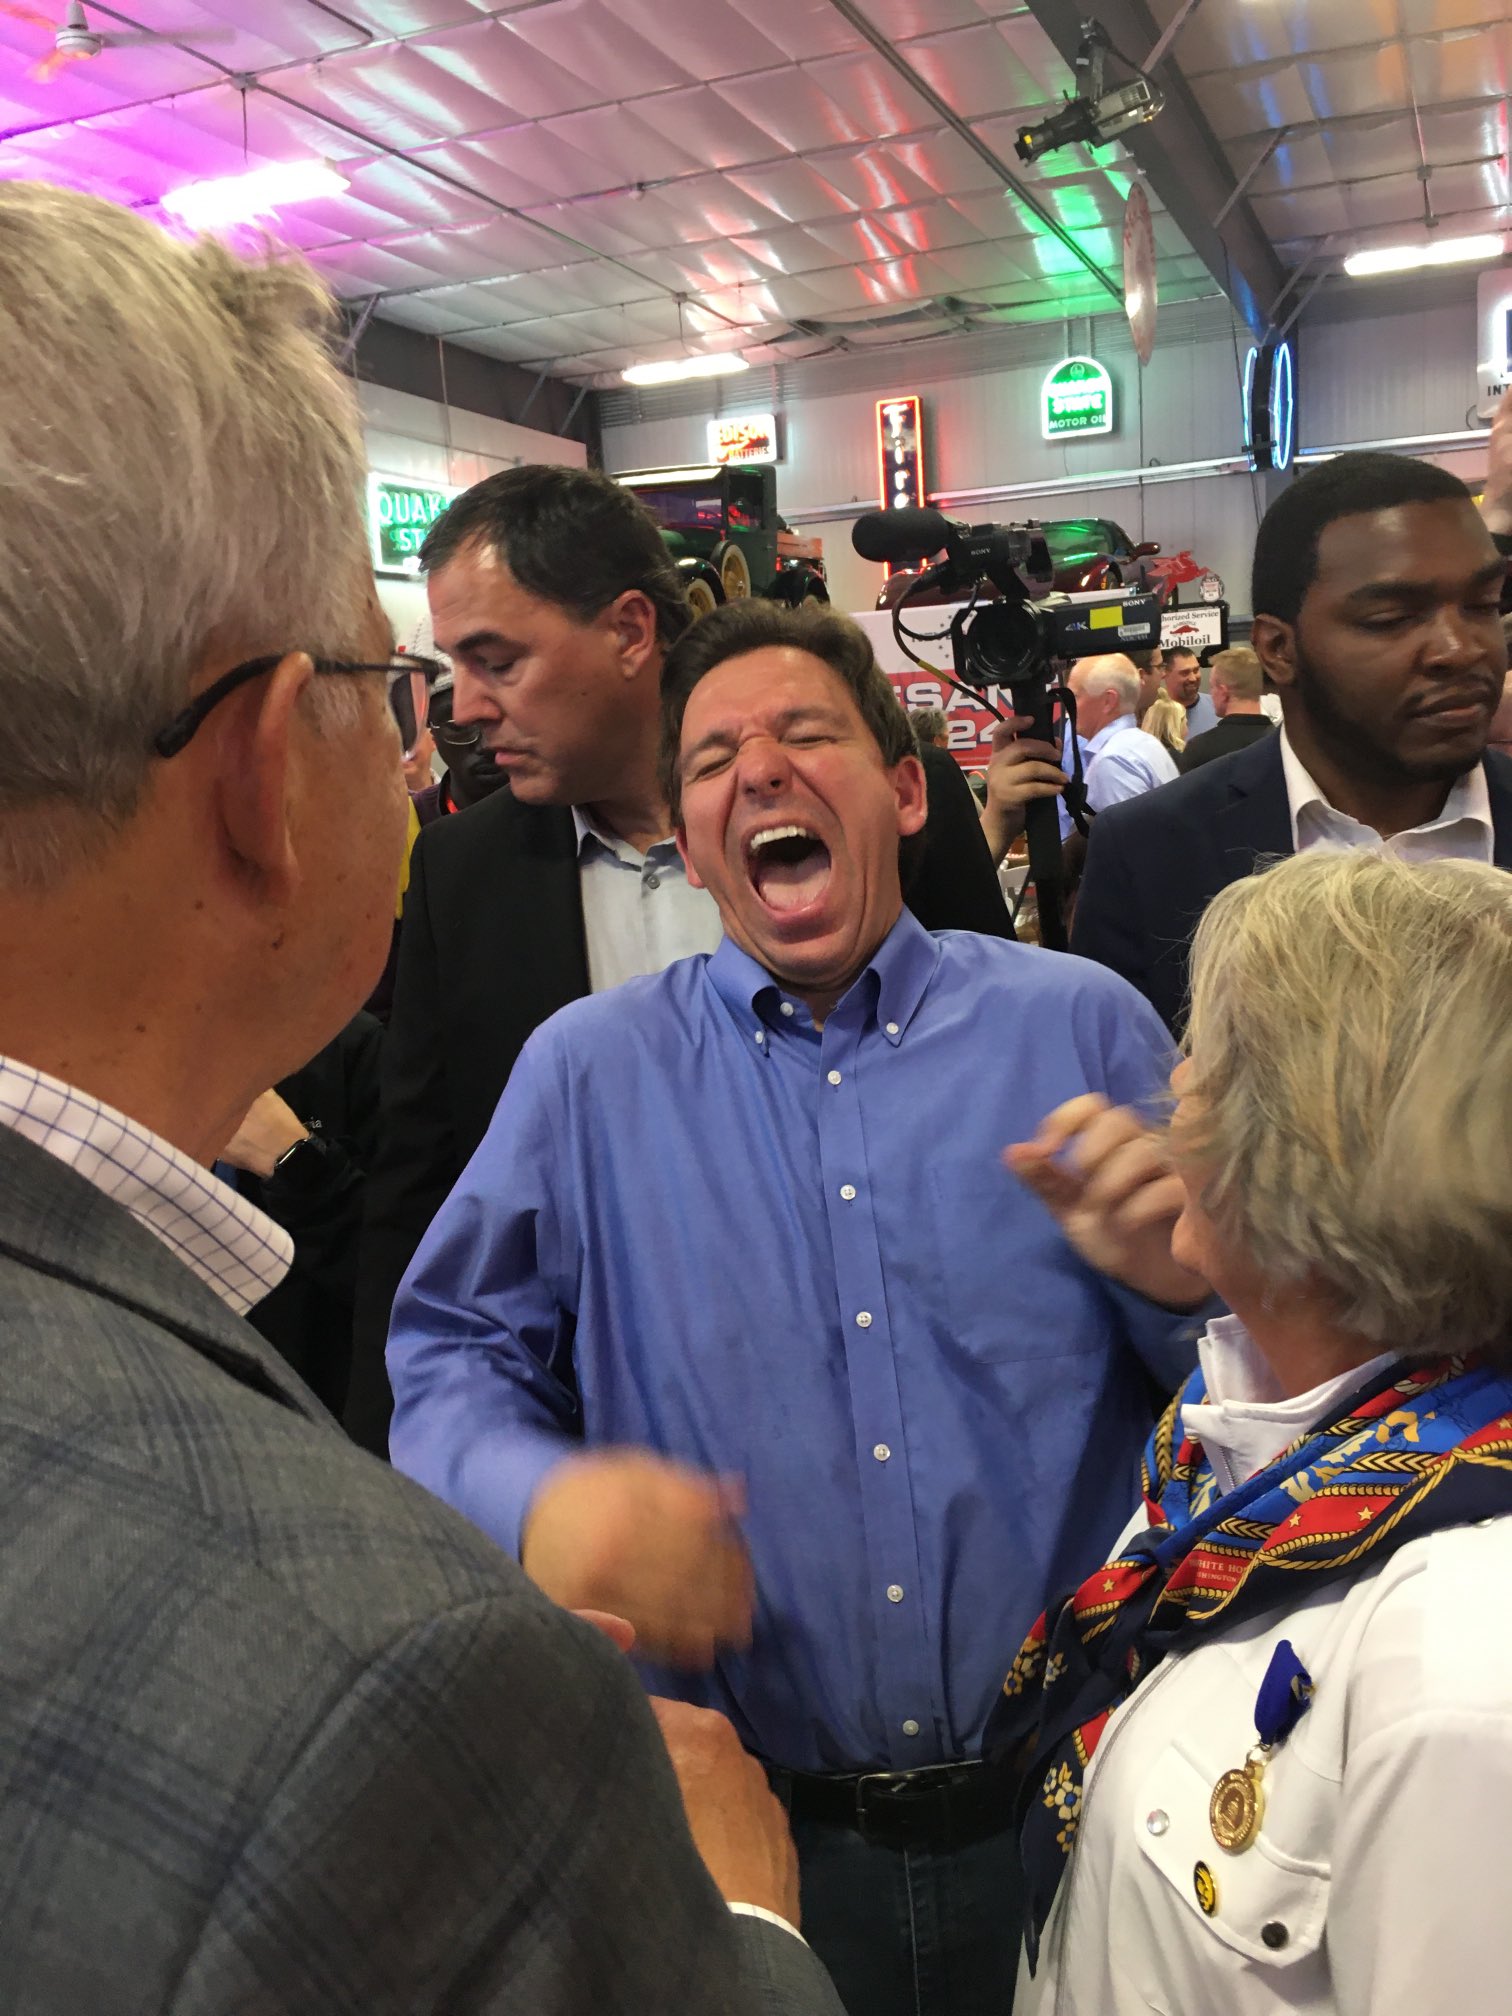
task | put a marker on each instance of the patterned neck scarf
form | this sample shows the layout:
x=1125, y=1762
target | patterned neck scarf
x=1420, y=1448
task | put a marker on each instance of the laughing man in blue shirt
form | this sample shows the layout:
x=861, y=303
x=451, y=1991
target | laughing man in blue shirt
x=737, y=1325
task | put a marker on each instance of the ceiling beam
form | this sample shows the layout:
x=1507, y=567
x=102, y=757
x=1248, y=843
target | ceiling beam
x=1181, y=159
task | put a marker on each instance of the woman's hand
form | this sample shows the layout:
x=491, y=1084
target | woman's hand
x=1107, y=1179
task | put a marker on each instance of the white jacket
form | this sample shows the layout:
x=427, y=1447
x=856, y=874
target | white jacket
x=1381, y=1881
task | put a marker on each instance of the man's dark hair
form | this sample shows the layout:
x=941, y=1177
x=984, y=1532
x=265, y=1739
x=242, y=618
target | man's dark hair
x=754, y=625
x=571, y=536
x=1181, y=651
x=1286, y=546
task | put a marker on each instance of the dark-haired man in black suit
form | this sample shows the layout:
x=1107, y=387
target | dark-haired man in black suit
x=1376, y=597
x=552, y=592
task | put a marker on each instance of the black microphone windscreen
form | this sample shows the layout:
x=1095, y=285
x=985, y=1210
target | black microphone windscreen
x=895, y=537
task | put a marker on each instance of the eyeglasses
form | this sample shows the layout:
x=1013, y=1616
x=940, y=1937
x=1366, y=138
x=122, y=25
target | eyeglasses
x=455, y=734
x=410, y=679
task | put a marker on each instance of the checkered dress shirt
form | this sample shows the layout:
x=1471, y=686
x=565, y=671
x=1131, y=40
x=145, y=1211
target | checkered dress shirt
x=233, y=1248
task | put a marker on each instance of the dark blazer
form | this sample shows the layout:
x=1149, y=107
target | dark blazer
x=492, y=945
x=317, y=1198
x=280, y=1732
x=1233, y=733
x=1156, y=862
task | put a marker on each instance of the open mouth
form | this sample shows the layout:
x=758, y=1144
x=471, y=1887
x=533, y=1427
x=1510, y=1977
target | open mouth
x=789, y=866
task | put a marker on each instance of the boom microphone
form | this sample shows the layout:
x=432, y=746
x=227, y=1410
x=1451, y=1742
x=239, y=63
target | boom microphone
x=897, y=537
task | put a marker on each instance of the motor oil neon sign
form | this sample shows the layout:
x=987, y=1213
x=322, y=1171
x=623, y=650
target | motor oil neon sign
x=1076, y=398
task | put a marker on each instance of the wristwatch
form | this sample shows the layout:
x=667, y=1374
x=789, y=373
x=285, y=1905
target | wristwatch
x=305, y=1161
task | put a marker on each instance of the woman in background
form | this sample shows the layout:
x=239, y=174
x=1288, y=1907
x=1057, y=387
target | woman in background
x=1166, y=720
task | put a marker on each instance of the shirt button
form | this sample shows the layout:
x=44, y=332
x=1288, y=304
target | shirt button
x=863, y=1319
x=834, y=1077
x=761, y=1036
x=1158, y=1822
x=910, y=1727
x=653, y=881
x=895, y=1592
x=1275, y=1935
x=848, y=1193
x=881, y=1452
x=892, y=1028
x=787, y=1007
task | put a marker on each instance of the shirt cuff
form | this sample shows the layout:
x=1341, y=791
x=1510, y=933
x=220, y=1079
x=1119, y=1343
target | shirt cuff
x=770, y=1917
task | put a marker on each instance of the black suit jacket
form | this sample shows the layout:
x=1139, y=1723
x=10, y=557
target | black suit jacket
x=493, y=944
x=1154, y=863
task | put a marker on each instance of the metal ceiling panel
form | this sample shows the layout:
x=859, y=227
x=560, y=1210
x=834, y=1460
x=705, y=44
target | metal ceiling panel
x=984, y=70
x=592, y=41
x=544, y=176
x=808, y=28
x=624, y=145
x=711, y=38
x=1474, y=64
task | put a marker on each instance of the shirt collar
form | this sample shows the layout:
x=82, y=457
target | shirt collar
x=1115, y=727
x=234, y=1248
x=892, y=984
x=592, y=837
x=1246, y=1421
x=1469, y=800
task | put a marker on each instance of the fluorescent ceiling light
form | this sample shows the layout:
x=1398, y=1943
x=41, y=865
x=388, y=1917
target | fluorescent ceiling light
x=713, y=364
x=1408, y=258
x=233, y=199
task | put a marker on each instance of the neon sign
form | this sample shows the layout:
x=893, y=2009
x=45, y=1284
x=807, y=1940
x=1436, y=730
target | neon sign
x=746, y=437
x=1076, y=398
x=900, y=452
x=1270, y=406
x=400, y=513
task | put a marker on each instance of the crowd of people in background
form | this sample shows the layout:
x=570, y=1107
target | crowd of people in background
x=589, y=1347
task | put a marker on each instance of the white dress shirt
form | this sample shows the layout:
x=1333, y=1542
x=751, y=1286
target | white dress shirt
x=1122, y=761
x=233, y=1247
x=1374, y=1886
x=640, y=912
x=1462, y=832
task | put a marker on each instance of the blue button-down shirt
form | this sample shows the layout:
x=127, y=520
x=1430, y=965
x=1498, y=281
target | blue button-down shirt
x=700, y=1225
x=1123, y=762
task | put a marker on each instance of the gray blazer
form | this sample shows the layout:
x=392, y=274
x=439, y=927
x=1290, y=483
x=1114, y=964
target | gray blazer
x=279, y=1734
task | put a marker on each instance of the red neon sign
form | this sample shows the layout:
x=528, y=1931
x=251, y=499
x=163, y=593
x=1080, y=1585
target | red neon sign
x=900, y=452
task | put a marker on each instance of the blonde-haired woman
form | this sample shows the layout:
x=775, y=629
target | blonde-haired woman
x=1268, y=1747
x=1166, y=720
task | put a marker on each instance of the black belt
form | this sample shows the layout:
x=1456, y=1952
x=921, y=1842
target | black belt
x=943, y=1806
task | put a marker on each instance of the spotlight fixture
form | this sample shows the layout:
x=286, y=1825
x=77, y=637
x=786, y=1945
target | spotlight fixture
x=712, y=364
x=1094, y=115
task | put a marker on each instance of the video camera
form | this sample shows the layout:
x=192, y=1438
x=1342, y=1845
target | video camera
x=1015, y=642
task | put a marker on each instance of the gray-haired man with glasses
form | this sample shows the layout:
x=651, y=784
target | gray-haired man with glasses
x=277, y=1731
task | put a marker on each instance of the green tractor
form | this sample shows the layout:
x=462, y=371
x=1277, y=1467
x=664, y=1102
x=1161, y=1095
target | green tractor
x=721, y=527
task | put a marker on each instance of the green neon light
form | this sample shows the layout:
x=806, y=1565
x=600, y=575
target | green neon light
x=400, y=513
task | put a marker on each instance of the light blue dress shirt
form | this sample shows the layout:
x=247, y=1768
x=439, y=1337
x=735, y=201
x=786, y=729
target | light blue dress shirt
x=640, y=912
x=1123, y=762
x=700, y=1225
